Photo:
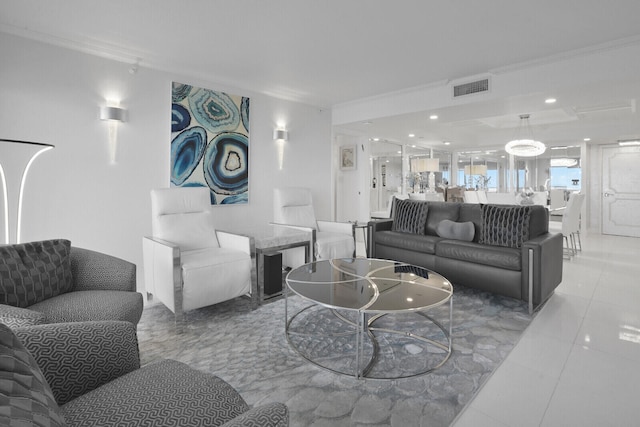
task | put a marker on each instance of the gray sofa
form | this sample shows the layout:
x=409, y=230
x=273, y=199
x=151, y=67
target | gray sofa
x=50, y=282
x=501, y=249
x=89, y=374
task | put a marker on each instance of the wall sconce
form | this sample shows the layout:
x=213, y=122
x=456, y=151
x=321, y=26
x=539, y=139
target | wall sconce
x=113, y=116
x=280, y=136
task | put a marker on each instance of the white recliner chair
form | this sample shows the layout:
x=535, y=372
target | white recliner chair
x=293, y=207
x=188, y=264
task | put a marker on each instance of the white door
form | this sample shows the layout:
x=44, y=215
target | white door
x=621, y=191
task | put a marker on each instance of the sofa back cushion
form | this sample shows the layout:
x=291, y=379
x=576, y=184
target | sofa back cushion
x=439, y=211
x=409, y=216
x=472, y=212
x=505, y=225
x=33, y=272
x=24, y=393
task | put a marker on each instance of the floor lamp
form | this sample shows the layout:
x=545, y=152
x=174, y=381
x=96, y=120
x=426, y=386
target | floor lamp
x=16, y=158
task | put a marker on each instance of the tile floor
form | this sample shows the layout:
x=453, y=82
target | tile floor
x=578, y=363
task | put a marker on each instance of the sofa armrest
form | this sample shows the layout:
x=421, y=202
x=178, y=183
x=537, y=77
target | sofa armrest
x=545, y=251
x=374, y=227
x=93, y=270
x=270, y=415
x=78, y=357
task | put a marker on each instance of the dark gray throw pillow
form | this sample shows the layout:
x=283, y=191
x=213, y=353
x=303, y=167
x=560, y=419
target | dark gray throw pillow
x=505, y=225
x=33, y=272
x=410, y=216
x=456, y=230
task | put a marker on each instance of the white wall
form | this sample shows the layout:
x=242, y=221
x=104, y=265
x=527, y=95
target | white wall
x=52, y=94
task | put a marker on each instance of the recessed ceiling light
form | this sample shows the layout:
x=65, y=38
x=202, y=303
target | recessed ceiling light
x=433, y=117
x=587, y=139
x=411, y=135
x=550, y=100
x=367, y=123
x=399, y=152
x=413, y=146
x=376, y=139
x=629, y=142
x=447, y=143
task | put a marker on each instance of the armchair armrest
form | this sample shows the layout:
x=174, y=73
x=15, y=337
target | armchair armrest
x=78, y=357
x=93, y=270
x=542, y=262
x=163, y=272
x=336, y=227
x=269, y=415
x=16, y=317
x=236, y=241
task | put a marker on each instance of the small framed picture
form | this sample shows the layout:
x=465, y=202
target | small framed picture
x=348, y=157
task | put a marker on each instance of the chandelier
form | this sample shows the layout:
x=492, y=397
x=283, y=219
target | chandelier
x=524, y=145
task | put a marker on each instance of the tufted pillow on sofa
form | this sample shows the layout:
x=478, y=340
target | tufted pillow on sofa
x=456, y=230
x=505, y=225
x=33, y=272
x=24, y=392
x=409, y=216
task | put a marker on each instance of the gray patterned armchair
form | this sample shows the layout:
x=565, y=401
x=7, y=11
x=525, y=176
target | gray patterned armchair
x=51, y=282
x=89, y=374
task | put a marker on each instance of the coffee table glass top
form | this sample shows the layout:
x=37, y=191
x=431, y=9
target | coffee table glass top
x=370, y=285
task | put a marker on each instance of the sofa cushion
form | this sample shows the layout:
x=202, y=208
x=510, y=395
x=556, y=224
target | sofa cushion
x=495, y=256
x=146, y=395
x=410, y=242
x=410, y=216
x=456, y=230
x=81, y=306
x=472, y=212
x=505, y=225
x=25, y=396
x=33, y=272
x=439, y=211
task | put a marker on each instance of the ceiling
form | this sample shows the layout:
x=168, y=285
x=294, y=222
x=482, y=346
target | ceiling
x=331, y=52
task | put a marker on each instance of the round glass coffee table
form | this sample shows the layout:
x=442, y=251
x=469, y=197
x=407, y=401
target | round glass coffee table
x=368, y=317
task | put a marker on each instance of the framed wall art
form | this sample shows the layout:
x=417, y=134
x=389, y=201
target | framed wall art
x=348, y=157
x=210, y=142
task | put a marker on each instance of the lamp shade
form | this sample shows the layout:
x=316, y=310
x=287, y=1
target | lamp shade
x=425, y=165
x=475, y=170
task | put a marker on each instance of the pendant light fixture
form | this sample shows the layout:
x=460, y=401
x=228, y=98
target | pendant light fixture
x=525, y=145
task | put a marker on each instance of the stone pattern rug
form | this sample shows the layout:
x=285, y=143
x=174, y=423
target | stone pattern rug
x=249, y=350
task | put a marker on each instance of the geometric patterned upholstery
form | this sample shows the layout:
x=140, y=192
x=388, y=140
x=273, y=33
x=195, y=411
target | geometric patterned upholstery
x=154, y=393
x=93, y=370
x=33, y=272
x=410, y=216
x=100, y=286
x=76, y=358
x=92, y=305
x=505, y=225
x=15, y=317
x=25, y=397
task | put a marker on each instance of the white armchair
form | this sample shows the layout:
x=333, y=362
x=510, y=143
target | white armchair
x=188, y=264
x=293, y=207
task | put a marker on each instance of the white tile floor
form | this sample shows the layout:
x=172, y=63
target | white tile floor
x=578, y=363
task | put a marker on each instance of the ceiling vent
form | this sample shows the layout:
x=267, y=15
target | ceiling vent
x=471, y=88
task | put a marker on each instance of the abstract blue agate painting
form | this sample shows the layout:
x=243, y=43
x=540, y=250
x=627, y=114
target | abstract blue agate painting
x=210, y=142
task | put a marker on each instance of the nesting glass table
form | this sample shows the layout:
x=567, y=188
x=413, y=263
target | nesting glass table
x=369, y=318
